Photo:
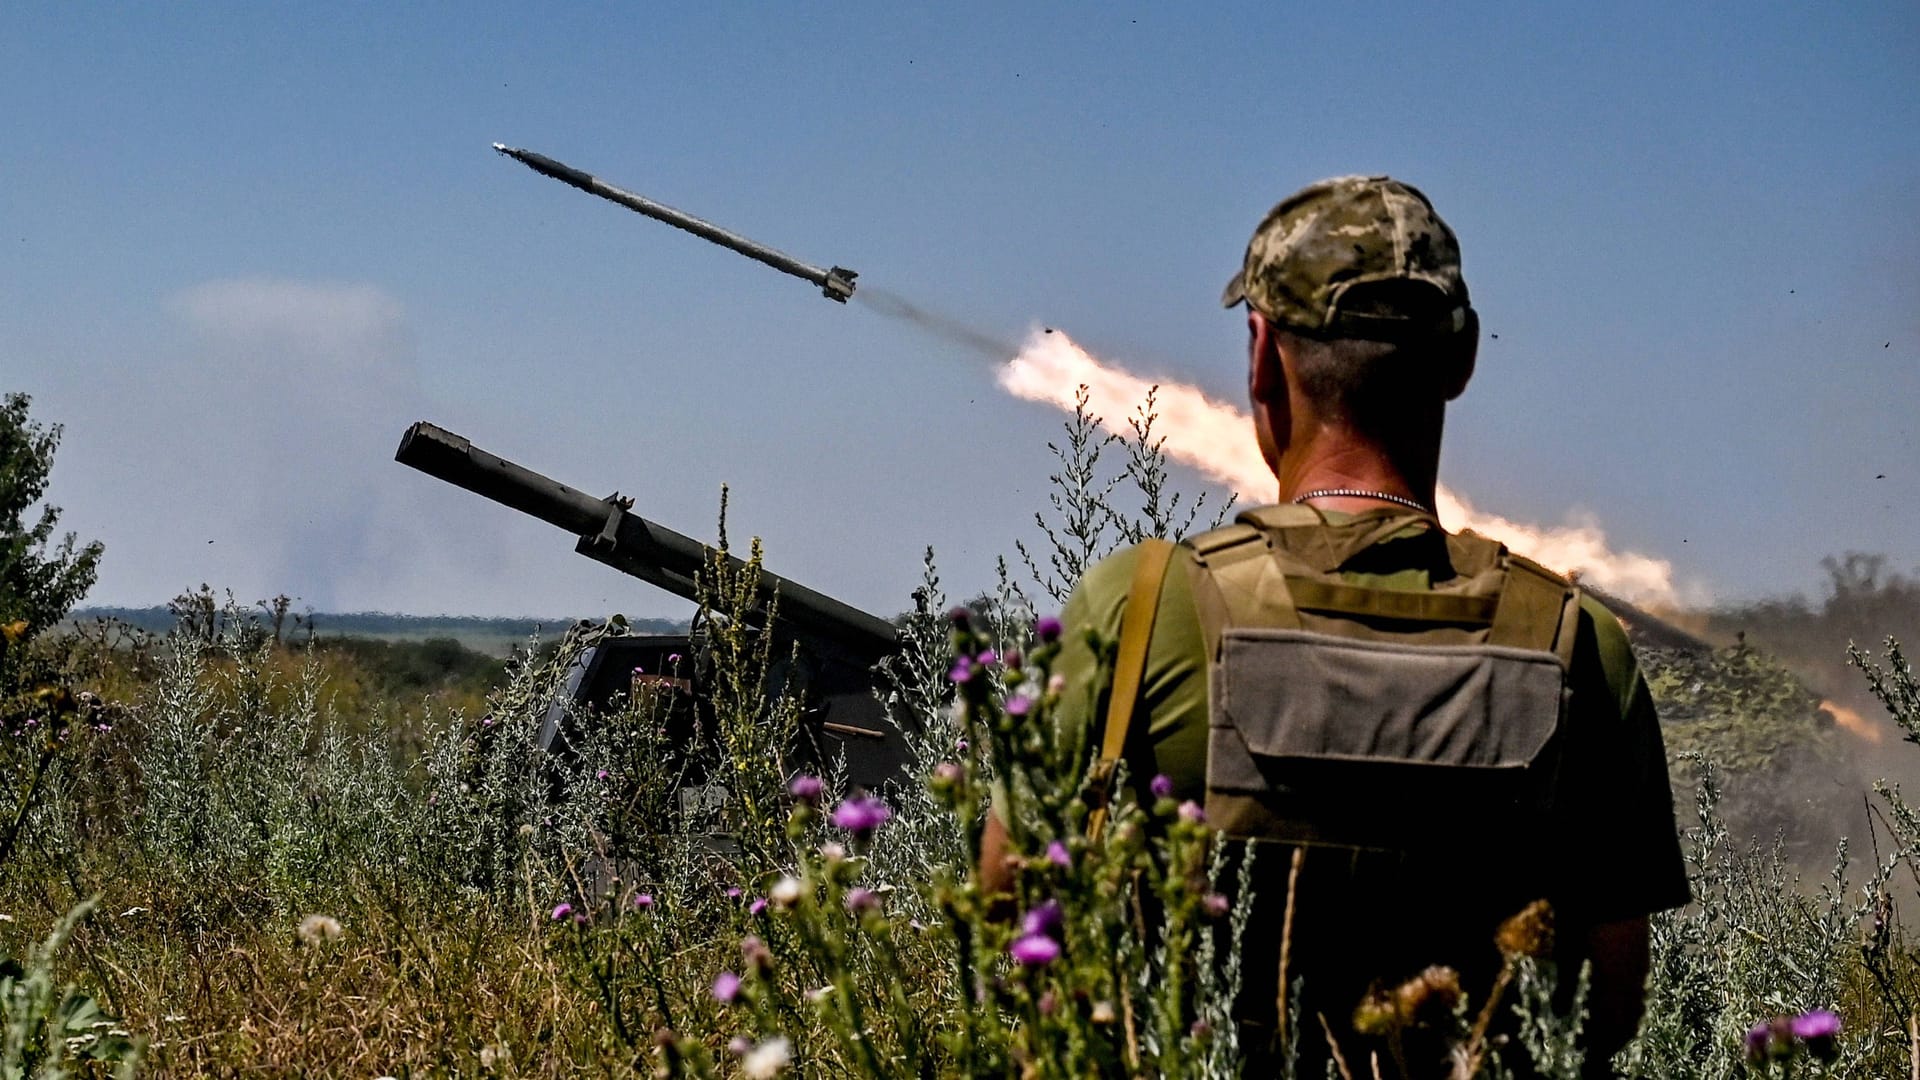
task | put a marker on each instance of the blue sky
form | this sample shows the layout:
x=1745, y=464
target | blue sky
x=242, y=246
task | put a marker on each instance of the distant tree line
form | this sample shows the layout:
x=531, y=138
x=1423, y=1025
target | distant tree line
x=161, y=618
x=1865, y=603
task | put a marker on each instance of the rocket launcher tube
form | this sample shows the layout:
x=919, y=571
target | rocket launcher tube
x=629, y=543
x=835, y=283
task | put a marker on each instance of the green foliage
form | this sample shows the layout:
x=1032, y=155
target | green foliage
x=407, y=672
x=1894, y=685
x=1757, y=944
x=50, y=1029
x=1090, y=519
x=833, y=912
x=39, y=579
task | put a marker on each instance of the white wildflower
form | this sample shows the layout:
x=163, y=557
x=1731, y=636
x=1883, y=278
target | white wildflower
x=785, y=892
x=768, y=1060
x=315, y=929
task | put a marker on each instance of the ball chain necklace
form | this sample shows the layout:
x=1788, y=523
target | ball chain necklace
x=1358, y=493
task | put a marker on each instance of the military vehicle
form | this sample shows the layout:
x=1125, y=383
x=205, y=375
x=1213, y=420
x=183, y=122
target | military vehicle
x=824, y=650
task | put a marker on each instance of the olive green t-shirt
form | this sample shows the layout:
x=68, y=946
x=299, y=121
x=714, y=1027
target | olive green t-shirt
x=1614, y=850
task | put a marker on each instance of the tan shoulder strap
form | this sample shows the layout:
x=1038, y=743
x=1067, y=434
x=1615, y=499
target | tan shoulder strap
x=1473, y=554
x=1538, y=609
x=1129, y=669
x=1239, y=578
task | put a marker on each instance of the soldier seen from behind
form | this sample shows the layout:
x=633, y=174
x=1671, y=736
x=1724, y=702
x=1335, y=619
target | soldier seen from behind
x=1424, y=733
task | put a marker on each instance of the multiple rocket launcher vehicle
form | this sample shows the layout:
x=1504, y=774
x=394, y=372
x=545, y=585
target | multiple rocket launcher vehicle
x=824, y=651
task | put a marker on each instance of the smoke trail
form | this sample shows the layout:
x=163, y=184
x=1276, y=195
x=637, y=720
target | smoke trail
x=895, y=306
x=1217, y=439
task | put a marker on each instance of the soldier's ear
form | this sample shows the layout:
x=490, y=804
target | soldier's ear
x=1265, y=377
x=1458, y=355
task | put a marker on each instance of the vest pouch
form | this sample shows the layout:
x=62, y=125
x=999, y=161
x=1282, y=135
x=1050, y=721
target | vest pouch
x=1371, y=744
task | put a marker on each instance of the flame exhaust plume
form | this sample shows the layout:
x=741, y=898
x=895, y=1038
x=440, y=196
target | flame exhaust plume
x=1850, y=721
x=1217, y=439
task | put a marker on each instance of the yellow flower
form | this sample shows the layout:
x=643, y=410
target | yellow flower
x=1530, y=933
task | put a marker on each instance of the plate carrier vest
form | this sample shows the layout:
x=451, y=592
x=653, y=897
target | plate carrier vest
x=1359, y=717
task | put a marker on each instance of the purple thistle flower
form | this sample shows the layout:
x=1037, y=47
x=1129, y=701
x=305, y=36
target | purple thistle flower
x=562, y=911
x=759, y=905
x=601, y=775
x=755, y=955
x=807, y=788
x=638, y=670
x=1191, y=813
x=861, y=816
x=1013, y=659
x=1058, y=855
x=962, y=670
x=960, y=617
x=1019, y=705
x=1035, y=950
x=726, y=987
x=987, y=659
x=862, y=901
x=1769, y=1040
x=1161, y=787
x=1047, y=629
x=1046, y=920
x=1816, y=1024
x=1819, y=1029
x=733, y=892
x=673, y=658
x=1215, y=905
x=642, y=901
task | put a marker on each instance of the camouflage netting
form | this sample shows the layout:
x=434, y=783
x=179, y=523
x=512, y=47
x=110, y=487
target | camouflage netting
x=1735, y=706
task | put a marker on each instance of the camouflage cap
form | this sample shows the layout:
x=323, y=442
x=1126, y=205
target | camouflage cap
x=1355, y=257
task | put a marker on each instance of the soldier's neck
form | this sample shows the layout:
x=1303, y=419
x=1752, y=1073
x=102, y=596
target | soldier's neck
x=1339, y=458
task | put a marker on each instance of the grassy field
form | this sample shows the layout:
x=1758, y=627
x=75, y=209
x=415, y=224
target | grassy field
x=231, y=852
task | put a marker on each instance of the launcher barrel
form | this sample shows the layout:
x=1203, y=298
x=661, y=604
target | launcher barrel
x=610, y=533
